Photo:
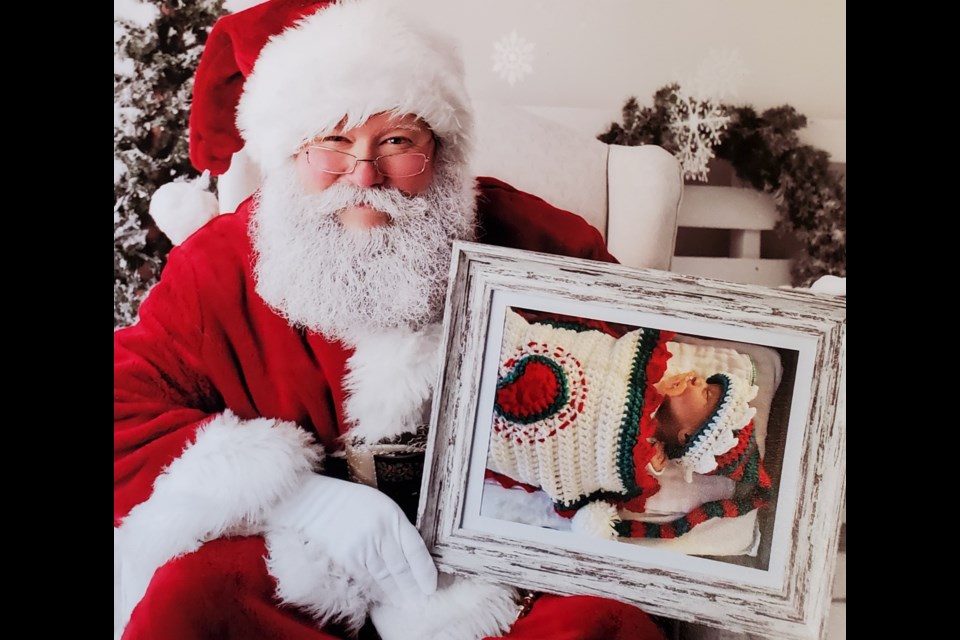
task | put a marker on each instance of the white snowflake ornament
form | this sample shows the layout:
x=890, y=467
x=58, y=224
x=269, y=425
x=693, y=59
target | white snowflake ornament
x=512, y=57
x=698, y=124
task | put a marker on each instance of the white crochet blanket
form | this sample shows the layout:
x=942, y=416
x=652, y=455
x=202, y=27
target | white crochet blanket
x=717, y=537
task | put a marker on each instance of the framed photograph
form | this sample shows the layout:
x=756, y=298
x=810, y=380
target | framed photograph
x=666, y=440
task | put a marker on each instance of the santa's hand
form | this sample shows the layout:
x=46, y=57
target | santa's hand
x=363, y=531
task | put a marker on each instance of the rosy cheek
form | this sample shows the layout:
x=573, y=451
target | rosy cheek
x=311, y=180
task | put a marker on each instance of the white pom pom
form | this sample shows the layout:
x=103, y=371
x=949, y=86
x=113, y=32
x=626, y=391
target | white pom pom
x=180, y=208
x=596, y=519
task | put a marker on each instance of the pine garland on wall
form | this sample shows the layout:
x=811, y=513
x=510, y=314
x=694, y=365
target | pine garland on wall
x=157, y=46
x=765, y=152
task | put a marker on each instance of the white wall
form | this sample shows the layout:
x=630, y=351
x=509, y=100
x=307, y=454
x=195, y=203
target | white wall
x=596, y=53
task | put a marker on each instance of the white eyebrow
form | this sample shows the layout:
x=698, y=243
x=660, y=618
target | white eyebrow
x=408, y=127
x=403, y=126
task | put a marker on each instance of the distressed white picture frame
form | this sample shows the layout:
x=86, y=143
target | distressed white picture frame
x=788, y=595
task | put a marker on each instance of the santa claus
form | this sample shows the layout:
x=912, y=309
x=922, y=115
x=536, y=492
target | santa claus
x=307, y=321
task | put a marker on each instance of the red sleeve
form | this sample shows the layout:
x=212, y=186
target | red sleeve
x=160, y=394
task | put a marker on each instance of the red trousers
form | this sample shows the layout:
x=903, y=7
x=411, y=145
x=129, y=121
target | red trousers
x=223, y=592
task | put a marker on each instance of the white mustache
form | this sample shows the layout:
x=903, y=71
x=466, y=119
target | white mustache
x=392, y=202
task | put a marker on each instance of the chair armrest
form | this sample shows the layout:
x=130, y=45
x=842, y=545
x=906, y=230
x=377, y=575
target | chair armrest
x=645, y=187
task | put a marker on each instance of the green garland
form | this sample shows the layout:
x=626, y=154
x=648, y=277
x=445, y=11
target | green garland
x=765, y=152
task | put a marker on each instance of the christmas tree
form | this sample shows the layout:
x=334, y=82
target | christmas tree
x=157, y=46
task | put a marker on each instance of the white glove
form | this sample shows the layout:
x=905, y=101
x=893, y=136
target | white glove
x=363, y=531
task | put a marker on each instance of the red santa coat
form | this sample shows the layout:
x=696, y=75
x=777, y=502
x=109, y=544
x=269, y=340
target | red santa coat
x=206, y=342
x=220, y=405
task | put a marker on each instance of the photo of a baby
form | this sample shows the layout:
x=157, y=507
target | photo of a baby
x=629, y=433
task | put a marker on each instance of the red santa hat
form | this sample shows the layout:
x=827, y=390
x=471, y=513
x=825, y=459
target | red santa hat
x=274, y=76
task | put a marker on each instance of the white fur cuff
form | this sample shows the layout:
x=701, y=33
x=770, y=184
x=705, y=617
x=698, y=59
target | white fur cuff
x=222, y=484
x=311, y=580
x=461, y=609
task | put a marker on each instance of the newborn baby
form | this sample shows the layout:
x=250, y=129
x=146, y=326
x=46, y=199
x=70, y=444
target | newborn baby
x=591, y=420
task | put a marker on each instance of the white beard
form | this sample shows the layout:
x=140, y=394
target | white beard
x=345, y=283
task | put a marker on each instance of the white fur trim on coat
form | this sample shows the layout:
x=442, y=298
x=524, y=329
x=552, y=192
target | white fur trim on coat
x=222, y=484
x=308, y=578
x=354, y=60
x=461, y=609
x=390, y=381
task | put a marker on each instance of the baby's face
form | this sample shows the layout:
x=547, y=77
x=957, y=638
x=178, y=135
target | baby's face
x=688, y=403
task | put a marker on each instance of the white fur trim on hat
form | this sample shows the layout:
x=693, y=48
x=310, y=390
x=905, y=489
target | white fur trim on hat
x=222, y=484
x=352, y=60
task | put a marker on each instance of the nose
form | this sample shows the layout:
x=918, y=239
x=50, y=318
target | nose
x=365, y=175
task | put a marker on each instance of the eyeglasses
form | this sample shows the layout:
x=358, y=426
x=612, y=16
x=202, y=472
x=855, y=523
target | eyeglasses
x=400, y=165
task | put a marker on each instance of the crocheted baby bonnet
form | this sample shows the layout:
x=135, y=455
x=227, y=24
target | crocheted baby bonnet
x=724, y=445
x=573, y=411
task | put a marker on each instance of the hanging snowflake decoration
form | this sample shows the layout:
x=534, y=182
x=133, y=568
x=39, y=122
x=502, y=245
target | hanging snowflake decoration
x=697, y=125
x=512, y=57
